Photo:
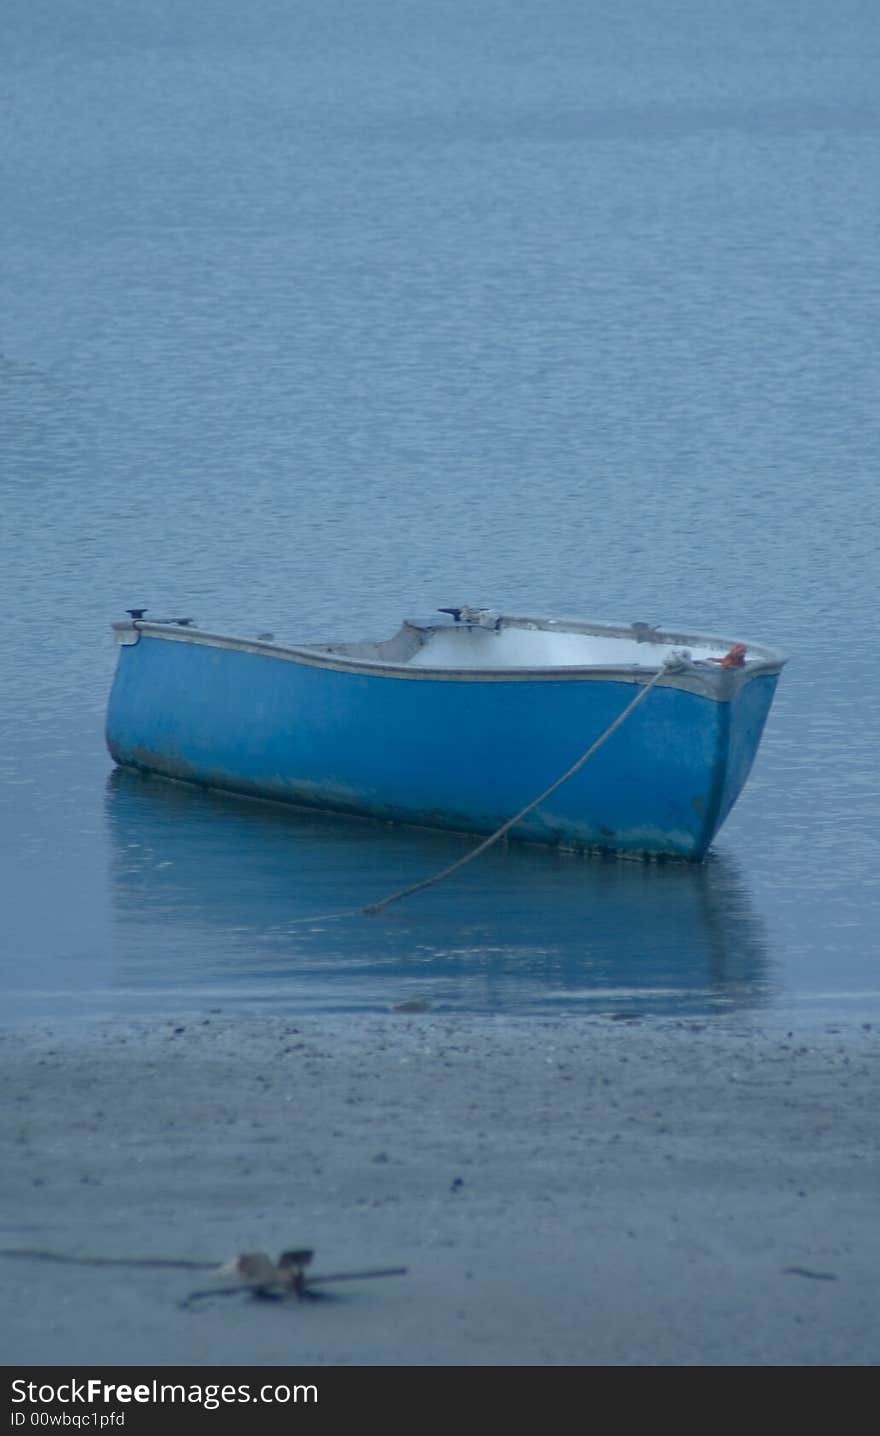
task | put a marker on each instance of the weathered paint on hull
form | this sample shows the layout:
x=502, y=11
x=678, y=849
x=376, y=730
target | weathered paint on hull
x=440, y=753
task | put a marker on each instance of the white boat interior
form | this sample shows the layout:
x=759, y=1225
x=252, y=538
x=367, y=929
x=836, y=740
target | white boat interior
x=484, y=640
x=537, y=648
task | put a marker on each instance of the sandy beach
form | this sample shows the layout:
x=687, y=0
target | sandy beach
x=562, y=1192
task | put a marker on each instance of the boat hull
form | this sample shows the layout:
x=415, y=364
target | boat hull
x=463, y=751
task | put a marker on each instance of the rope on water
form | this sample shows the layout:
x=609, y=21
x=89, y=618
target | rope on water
x=674, y=661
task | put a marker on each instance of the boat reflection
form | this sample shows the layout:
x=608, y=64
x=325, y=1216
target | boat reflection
x=229, y=901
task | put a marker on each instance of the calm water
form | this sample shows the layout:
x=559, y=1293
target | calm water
x=313, y=316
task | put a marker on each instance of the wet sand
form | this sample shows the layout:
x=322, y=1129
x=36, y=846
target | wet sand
x=563, y=1192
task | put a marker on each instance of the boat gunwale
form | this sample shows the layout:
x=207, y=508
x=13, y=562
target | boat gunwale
x=706, y=676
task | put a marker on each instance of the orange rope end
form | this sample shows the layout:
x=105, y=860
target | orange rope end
x=735, y=658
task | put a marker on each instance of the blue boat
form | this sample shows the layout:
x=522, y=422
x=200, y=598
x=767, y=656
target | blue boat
x=459, y=722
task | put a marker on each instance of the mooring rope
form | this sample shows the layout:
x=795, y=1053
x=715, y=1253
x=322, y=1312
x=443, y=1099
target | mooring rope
x=377, y=907
x=43, y=1254
x=675, y=661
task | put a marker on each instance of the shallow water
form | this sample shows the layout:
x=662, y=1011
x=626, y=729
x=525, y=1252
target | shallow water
x=312, y=320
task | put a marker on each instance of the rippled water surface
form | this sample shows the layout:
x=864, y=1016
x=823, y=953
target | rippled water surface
x=316, y=316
